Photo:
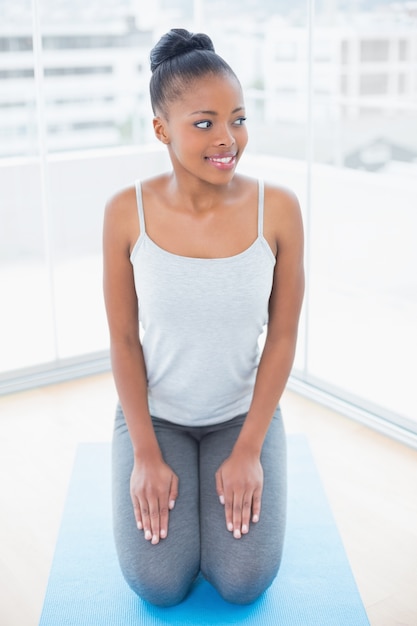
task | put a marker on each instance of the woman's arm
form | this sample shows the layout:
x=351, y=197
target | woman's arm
x=284, y=312
x=240, y=478
x=153, y=484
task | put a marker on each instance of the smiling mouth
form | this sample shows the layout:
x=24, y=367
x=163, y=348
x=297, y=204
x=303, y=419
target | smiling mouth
x=226, y=160
x=222, y=159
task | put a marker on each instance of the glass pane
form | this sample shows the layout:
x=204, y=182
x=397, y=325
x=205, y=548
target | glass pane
x=26, y=319
x=363, y=309
x=79, y=188
x=95, y=58
x=77, y=209
x=18, y=131
x=26, y=316
x=96, y=72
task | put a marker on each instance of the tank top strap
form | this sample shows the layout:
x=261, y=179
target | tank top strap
x=139, y=202
x=260, y=208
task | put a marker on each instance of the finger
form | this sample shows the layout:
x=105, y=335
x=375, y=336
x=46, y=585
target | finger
x=137, y=512
x=163, y=518
x=173, y=492
x=219, y=487
x=256, y=505
x=146, y=522
x=228, y=509
x=165, y=506
x=237, y=515
x=150, y=519
x=246, y=512
x=154, y=516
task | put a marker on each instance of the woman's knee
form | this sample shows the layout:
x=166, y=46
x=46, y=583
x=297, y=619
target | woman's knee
x=159, y=587
x=244, y=570
x=242, y=585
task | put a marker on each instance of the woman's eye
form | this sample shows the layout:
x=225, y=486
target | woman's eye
x=240, y=121
x=204, y=124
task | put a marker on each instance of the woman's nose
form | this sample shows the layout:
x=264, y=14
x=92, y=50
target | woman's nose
x=225, y=137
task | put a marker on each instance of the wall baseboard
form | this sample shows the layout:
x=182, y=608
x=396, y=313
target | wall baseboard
x=54, y=372
x=367, y=418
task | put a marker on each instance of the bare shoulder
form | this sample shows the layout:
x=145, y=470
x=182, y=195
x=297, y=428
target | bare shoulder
x=121, y=203
x=283, y=218
x=121, y=224
x=282, y=201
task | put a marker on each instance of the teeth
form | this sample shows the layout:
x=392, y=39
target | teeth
x=223, y=160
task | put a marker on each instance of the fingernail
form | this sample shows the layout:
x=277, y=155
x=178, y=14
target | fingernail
x=221, y=498
x=163, y=534
x=155, y=539
x=237, y=534
x=255, y=518
x=230, y=526
x=139, y=525
x=244, y=529
x=148, y=535
x=171, y=504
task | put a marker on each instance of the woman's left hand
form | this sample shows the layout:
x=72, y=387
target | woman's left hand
x=239, y=483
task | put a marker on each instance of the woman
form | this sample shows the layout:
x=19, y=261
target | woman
x=205, y=258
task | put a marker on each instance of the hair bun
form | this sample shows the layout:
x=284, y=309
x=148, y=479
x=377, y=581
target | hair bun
x=178, y=41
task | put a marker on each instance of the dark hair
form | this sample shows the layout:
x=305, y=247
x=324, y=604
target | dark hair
x=177, y=59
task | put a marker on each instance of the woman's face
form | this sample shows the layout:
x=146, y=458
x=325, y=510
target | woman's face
x=205, y=129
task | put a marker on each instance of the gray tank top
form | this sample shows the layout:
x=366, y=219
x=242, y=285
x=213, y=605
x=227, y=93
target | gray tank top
x=201, y=320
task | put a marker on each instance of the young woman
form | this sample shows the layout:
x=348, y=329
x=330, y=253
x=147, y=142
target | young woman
x=204, y=258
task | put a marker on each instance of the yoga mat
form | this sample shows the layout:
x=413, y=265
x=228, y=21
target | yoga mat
x=314, y=587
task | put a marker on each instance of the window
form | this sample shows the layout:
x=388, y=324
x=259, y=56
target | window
x=90, y=42
x=286, y=51
x=362, y=299
x=344, y=84
x=403, y=49
x=373, y=84
x=17, y=73
x=344, y=51
x=78, y=71
x=337, y=128
x=15, y=44
x=374, y=51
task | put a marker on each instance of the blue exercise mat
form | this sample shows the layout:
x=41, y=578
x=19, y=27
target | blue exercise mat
x=314, y=587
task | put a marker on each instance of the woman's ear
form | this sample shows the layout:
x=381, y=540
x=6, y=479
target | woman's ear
x=161, y=132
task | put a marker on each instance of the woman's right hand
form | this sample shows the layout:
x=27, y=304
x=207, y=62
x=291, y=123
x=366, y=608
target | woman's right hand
x=154, y=490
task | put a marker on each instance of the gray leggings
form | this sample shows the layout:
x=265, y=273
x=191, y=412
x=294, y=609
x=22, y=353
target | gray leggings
x=198, y=541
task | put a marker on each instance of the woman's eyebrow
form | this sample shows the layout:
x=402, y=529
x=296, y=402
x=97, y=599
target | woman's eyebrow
x=241, y=108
